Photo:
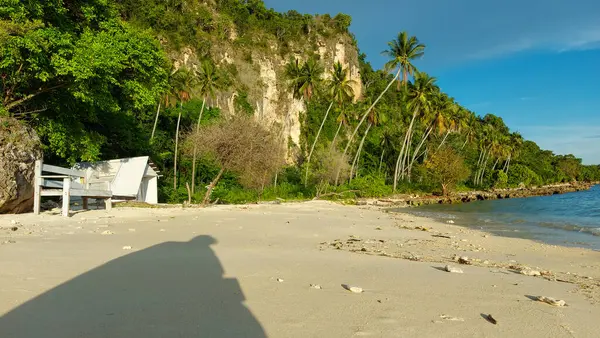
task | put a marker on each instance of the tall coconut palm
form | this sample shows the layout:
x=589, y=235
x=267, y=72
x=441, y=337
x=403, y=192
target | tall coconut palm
x=387, y=141
x=400, y=61
x=183, y=82
x=516, y=141
x=402, y=51
x=304, y=79
x=375, y=118
x=340, y=90
x=208, y=82
x=419, y=101
x=169, y=98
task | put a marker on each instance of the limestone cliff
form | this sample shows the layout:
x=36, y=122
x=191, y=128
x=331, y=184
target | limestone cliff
x=257, y=67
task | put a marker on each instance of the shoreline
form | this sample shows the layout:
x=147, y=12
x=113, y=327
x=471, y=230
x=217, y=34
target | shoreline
x=475, y=195
x=275, y=253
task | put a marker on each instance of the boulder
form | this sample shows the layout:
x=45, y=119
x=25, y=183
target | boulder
x=20, y=147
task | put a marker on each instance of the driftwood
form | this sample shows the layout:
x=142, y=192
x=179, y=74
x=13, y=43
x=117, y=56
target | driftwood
x=334, y=194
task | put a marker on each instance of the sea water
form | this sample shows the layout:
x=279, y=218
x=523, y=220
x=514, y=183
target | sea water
x=571, y=219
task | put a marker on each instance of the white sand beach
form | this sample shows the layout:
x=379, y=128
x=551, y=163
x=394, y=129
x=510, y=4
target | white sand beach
x=247, y=271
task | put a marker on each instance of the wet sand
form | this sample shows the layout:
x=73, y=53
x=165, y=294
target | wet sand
x=246, y=271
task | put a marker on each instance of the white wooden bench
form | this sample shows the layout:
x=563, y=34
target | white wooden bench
x=57, y=181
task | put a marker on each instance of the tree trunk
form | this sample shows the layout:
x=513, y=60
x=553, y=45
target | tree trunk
x=444, y=190
x=364, y=117
x=335, y=137
x=508, y=165
x=466, y=140
x=444, y=140
x=412, y=161
x=495, y=164
x=211, y=186
x=155, y=122
x=315, y=143
x=357, y=157
x=381, y=160
x=196, y=148
x=408, y=132
x=176, y=146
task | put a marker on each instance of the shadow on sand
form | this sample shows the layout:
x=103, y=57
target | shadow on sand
x=173, y=289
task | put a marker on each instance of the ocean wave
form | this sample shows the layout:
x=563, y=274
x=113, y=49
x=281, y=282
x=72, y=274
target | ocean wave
x=570, y=227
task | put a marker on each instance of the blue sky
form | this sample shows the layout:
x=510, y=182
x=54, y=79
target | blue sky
x=535, y=63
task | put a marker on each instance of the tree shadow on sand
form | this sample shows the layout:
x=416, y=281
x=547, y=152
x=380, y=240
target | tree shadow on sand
x=173, y=289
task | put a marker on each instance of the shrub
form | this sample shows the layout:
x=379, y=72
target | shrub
x=370, y=186
x=500, y=179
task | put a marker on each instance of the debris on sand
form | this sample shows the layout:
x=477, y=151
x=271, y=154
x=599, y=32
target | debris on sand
x=107, y=232
x=552, y=301
x=452, y=269
x=462, y=260
x=354, y=289
x=316, y=286
x=127, y=247
x=529, y=272
x=279, y=280
x=452, y=319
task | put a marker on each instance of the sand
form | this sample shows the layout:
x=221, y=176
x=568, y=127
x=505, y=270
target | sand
x=247, y=271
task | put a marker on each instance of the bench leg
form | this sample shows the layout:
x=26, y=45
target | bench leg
x=66, y=197
x=37, y=189
x=85, y=203
x=108, y=204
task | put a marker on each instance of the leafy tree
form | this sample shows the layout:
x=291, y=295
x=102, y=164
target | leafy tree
x=447, y=168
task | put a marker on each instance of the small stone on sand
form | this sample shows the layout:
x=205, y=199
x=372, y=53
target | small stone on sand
x=453, y=269
x=107, y=232
x=127, y=247
x=280, y=280
x=316, y=286
x=354, y=289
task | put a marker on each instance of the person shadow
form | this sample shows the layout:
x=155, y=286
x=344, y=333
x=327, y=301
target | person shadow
x=173, y=289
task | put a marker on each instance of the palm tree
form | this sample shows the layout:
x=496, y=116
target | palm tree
x=387, y=141
x=343, y=119
x=419, y=101
x=375, y=118
x=340, y=90
x=516, y=141
x=400, y=60
x=208, y=81
x=304, y=79
x=169, y=98
x=183, y=82
x=402, y=52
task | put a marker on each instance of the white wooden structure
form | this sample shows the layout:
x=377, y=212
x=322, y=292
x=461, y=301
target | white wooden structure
x=65, y=182
x=115, y=180
x=134, y=178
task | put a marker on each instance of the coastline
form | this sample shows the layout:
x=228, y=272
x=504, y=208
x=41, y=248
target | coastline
x=396, y=258
x=416, y=200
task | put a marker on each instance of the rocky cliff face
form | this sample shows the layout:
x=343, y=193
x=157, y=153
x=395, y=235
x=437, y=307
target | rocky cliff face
x=20, y=147
x=259, y=79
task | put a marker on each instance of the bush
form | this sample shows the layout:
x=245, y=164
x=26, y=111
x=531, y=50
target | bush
x=370, y=186
x=500, y=179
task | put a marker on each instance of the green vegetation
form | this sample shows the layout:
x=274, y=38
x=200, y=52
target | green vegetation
x=97, y=80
